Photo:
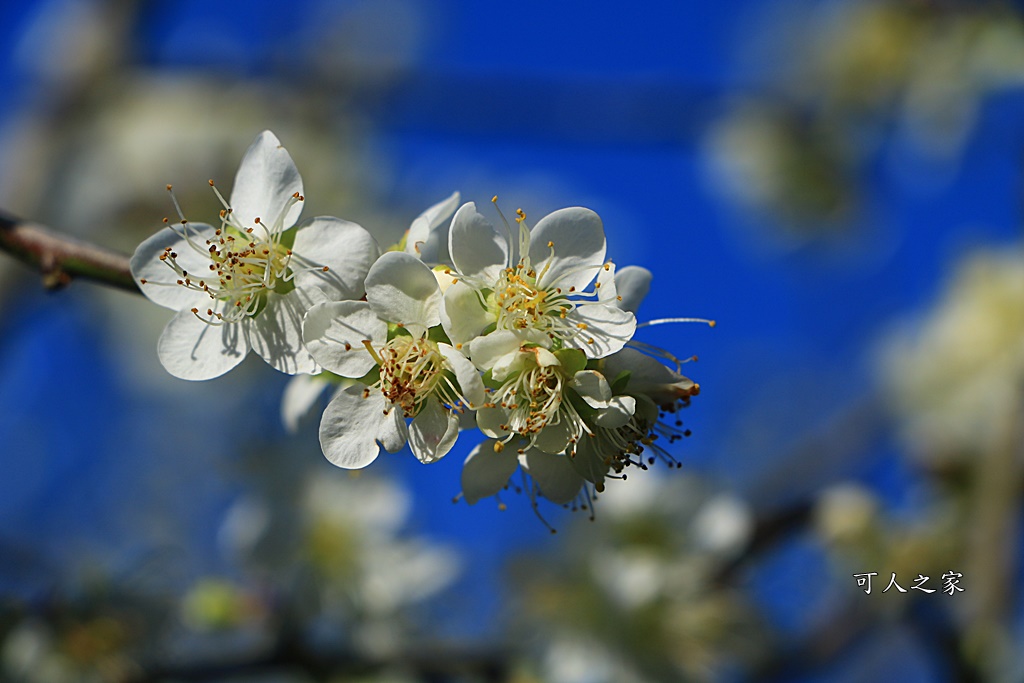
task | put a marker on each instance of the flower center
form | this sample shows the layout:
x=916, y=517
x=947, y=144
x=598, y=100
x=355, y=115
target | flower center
x=523, y=305
x=532, y=398
x=244, y=263
x=410, y=370
x=242, y=266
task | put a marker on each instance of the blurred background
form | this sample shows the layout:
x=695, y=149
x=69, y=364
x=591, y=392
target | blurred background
x=837, y=182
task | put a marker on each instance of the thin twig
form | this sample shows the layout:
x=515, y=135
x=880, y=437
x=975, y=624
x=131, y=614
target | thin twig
x=61, y=259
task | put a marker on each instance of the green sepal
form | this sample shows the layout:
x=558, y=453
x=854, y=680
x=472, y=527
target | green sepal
x=492, y=383
x=618, y=385
x=437, y=335
x=370, y=377
x=572, y=360
x=284, y=286
x=397, y=331
x=588, y=413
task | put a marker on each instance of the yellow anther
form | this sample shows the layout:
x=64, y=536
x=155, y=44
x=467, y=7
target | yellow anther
x=498, y=447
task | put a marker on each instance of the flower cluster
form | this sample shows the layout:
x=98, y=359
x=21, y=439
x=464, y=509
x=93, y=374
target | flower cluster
x=525, y=333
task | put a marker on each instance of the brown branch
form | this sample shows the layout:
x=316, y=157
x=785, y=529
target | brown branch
x=61, y=259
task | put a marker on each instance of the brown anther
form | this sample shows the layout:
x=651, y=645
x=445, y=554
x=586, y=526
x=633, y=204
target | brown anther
x=209, y=311
x=325, y=269
x=165, y=220
x=256, y=220
x=572, y=289
x=195, y=310
x=143, y=280
x=210, y=181
x=181, y=282
x=168, y=188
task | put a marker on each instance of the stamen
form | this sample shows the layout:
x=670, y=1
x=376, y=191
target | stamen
x=665, y=321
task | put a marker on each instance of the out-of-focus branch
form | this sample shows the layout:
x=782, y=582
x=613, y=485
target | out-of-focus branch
x=61, y=259
x=438, y=663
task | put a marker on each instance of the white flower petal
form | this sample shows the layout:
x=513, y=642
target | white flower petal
x=469, y=379
x=607, y=329
x=350, y=427
x=400, y=289
x=266, y=180
x=557, y=479
x=554, y=437
x=592, y=388
x=486, y=472
x=345, y=248
x=300, y=395
x=577, y=238
x=631, y=284
x=491, y=422
x=276, y=332
x=192, y=349
x=428, y=234
x=588, y=462
x=433, y=432
x=487, y=350
x=616, y=413
x=393, y=432
x=648, y=376
x=334, y=333
x=160, y=286
x=476, y=248
x=463, y=316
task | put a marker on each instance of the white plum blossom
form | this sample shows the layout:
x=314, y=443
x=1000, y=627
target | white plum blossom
x=534, y=284
x=624, y=288
x=427, y=238
x=247, y=283
x=405, y=373
x=534, y=387
x=591, y=427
